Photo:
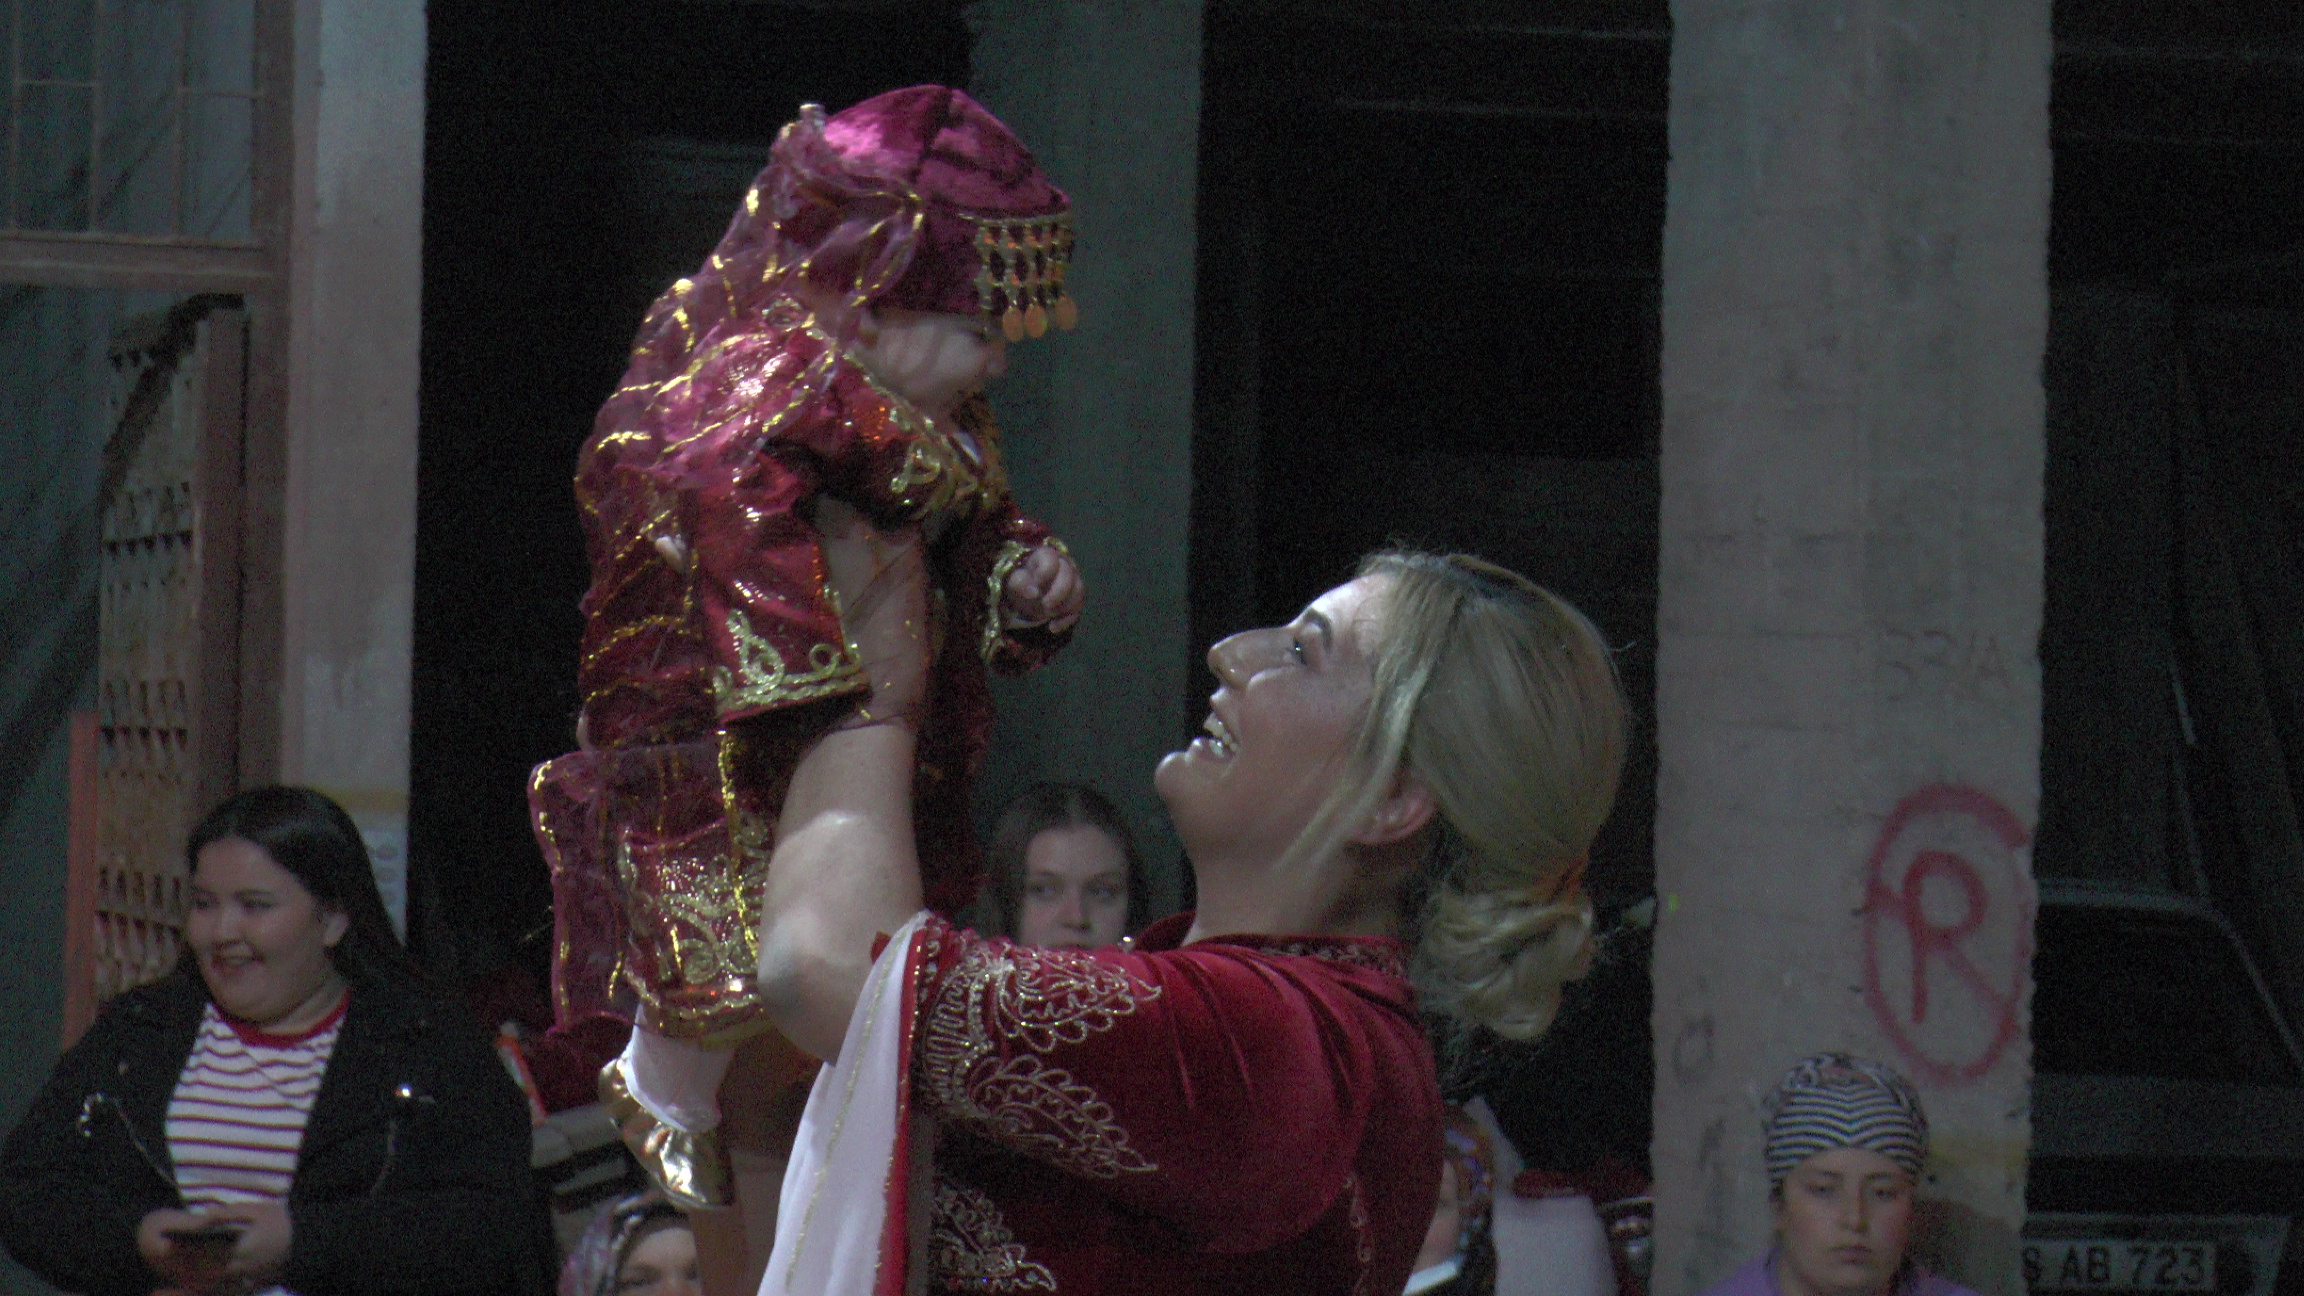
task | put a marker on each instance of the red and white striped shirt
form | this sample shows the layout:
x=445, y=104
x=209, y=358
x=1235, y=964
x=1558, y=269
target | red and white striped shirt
x=237, y=1118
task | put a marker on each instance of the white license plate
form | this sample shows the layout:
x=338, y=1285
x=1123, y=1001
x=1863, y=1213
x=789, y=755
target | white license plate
x=2107, y=1264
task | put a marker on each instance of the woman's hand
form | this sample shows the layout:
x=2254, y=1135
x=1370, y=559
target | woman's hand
x=1045, y=590
x=881, y=580
x=845, y=867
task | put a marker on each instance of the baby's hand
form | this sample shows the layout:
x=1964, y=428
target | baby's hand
x=1044, y=590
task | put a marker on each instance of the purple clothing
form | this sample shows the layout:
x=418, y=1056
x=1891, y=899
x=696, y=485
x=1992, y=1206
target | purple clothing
x=1758, y=1278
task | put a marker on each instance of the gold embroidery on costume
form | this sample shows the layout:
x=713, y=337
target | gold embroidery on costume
x=935, y=477
x=640, y=525
x=922, y=466
x=548, y=829
x=1038, y=1000
x=680, y=290
x=687, y=916
x=931, y=458
x=971, y=1246
x=670, y=624
x=698, y=911
x=761, y=679
x=931, y=946
x=1012, y=556
x=1373, y=958
x=1356, y=1214
x=803, y=386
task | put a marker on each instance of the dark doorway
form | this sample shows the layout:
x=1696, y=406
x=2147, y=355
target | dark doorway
x=2172, y=653
x=1430, y=252
x=1430, y=248
x=2172, y=646
x=578, y=158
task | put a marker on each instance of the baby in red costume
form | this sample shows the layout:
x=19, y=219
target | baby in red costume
x=832, y=346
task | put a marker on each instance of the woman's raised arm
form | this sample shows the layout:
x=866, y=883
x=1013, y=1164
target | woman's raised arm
x=845, y=869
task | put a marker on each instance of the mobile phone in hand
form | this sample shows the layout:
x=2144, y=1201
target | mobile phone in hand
x=212, y=1242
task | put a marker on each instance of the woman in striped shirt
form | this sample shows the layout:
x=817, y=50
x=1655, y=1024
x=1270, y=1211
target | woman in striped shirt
x=290, y=1110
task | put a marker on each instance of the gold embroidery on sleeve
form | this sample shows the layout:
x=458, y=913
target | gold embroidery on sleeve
x=922, y=466
x=1363, y=1249
x=680, y=290
x=935, y=477
x=970, y=1244
x=762, y=680
x=1035, y=1000
x=1012, y=556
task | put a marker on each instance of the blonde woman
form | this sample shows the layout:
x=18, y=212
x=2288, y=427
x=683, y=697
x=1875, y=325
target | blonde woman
x=1403, y=781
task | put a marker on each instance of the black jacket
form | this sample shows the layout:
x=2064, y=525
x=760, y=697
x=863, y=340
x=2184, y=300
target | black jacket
x=412, y=1178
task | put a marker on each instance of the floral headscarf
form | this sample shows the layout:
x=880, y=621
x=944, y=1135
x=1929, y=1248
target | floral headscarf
x=1466, y=1144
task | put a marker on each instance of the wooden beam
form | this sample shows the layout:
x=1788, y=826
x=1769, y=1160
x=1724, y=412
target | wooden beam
x=216, y=685
x=121, y=261
x=263, y=501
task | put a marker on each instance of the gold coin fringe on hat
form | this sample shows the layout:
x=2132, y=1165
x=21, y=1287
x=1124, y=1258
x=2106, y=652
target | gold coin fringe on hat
x=1021, y=279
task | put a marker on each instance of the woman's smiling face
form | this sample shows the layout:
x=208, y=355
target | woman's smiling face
x=262, y=939
x=1287, y=709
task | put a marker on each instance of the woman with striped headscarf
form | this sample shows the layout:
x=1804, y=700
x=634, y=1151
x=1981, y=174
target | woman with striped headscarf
x=1846, y=1141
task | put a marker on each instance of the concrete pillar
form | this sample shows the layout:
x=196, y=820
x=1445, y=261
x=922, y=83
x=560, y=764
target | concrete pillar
x=349, y=524
x=1107, y=94
x=1855, y=311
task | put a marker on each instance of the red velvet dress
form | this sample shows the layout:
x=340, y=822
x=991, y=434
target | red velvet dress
x=713, y=653
x=1244, y=1115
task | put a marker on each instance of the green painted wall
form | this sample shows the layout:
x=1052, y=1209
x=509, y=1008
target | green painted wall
x=1099, y=421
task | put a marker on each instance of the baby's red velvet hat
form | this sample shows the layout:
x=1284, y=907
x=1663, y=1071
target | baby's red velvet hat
x=988, y=232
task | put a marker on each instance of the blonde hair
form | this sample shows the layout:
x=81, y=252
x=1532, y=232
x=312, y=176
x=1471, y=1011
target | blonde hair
x=1503, y=700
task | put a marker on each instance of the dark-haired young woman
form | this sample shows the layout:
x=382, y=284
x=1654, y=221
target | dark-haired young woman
x=289, y=1109
x=1064, y=870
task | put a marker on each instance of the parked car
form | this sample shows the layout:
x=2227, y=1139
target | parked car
x=2167, y=1103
